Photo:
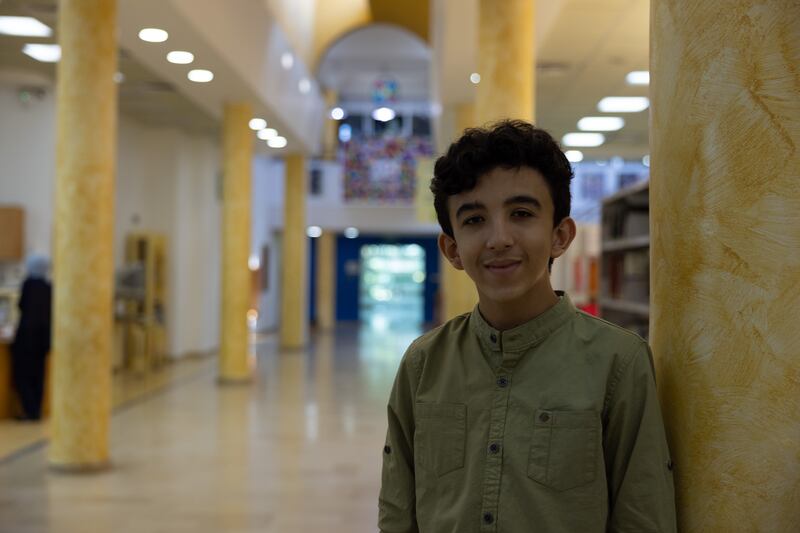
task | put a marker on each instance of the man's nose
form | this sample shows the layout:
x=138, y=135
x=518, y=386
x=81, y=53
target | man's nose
x=501, y=236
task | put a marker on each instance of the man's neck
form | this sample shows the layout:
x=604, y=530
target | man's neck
x=508, y=315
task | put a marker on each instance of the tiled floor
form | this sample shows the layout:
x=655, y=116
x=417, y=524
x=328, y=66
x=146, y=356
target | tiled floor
x=296, y=451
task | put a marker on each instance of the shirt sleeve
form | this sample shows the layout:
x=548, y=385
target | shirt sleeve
x=638, y=464
x=397, y=500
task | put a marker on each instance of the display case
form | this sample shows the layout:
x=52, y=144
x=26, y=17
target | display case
x=625, y=259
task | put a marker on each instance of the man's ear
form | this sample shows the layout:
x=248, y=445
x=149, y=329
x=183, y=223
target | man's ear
x=449, y=248
x=563, y=235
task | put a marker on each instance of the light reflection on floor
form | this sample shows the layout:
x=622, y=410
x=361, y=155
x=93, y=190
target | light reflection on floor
x=296, y=451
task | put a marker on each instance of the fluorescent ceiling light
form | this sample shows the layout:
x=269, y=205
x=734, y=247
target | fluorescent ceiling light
x=287, y=60
x=179, y=57
x=383, y=114
x=46, y=53
x=623, y=104
x=337, y=113
x=277, y=142
x=600, y=124
x=351, y=233
x=153, y=35
x=24, y=27
x=257, y=124
x=304, y=86
x=638, y=77
x=475, y=78
x=314, y=231
x=267, y=134
x=574, y=156
x=200, y=75
x=583, y=139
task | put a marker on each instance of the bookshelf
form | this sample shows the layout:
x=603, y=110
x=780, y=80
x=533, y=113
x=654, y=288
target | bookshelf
x=625, y=259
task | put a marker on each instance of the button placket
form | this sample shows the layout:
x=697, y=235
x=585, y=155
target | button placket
x=494, y=460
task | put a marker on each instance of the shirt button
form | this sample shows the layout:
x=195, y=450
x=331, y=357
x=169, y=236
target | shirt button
x=493, y=337
x=494, y=447
x=488, y=518
x=502, y=382
x=387, y=450
x=544, y=417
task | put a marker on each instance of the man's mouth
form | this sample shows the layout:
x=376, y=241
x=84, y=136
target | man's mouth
x=502, y=266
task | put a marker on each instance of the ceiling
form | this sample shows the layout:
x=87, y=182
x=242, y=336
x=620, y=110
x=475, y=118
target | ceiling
x=584, y=49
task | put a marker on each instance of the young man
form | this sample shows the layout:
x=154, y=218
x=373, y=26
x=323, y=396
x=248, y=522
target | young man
x=525, y=414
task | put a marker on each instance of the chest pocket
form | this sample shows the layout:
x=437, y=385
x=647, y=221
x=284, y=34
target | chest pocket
x=439, y=437
x=564, y=448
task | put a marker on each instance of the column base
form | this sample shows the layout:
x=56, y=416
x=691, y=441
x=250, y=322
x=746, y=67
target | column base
x=224, y=382
x=85, y=468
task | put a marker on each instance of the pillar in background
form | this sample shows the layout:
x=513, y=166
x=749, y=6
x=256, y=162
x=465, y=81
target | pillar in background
x=237, y=148
x=326, y=287
x=505, y=61
x=460, y=295
x=330, y=133
x=725, y=257
x=293, y=319
x=84, y=236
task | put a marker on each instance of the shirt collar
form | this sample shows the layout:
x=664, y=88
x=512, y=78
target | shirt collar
x=525, y=335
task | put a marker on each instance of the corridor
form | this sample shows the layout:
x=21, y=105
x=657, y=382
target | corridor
x=297, y=451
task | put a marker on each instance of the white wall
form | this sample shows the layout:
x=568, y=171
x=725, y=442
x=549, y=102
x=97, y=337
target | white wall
x=166, y=182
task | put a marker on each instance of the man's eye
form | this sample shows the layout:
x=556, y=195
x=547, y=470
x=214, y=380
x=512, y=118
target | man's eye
x=472, y=220
x=521, y=213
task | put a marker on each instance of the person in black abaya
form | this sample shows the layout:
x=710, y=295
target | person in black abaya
x=32, y=340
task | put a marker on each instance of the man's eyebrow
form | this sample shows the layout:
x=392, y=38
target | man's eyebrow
x=524, y=199
x=470, y=206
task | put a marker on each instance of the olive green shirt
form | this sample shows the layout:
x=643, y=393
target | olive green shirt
x=552, y=426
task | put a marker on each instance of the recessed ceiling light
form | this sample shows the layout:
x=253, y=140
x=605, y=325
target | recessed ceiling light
x=46, y=53
x=257, y=124
x=24, y=27
x=383, y=114
x=475, y=78
x=153, y=35
x=600, y=124
x=314, y=231
x=304, y=86
x=646, y=160
x=583, y=139
x=277, y=142
x=574, y=156
x=351, y=232
x=179, y=57
x=623, y=104
x=337, y=113
x=200, y=75
x=267, y=134
x=287, y=60
x=119, y=77
x=638, y=77
x=254, y=262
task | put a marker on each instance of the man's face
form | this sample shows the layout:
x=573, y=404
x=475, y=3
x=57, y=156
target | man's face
x=504, y=236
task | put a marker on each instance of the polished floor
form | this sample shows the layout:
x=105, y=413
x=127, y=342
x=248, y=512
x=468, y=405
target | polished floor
x=296, y=451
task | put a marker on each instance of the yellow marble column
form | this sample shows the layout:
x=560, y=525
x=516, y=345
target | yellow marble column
x=326, y=280
x=460, y=295
x=330, y=133
x=725, y=224
x=86, y=134
x=293, y=327
x=505, y=61
x=236, y=277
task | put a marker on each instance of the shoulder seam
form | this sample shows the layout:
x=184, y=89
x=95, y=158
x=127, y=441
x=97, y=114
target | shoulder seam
x=620, y=372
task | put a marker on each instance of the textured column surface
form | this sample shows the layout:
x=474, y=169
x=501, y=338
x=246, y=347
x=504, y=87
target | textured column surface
x=725, y=266
x=294, y=287
x=505, y=60
x=326, y=287
x=236, y=278
x=84, y=225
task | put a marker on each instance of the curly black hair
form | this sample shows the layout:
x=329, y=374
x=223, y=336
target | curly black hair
x=507, y=144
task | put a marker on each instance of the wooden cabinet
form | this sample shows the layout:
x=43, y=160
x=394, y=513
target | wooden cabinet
x=12, y=233
x=625, y=259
